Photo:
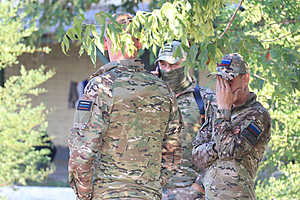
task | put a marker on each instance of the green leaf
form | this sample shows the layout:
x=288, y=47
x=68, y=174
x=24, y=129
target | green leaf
x=65, y=45
x=81, y=51
x=154, y=49
x=93, y=54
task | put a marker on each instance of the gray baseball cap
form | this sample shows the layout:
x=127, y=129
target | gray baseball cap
x=167, y=53
x=231, y=66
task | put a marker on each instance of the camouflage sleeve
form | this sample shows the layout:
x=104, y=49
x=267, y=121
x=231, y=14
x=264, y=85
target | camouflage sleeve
x=171, y=154
x=239, y=140
x=90, y=121
x=208, y=96
x=204, y=155
x=204, y=134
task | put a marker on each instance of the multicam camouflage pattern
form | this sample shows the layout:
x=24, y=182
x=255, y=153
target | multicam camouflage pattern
x=232, y=65
x=234, y=152
x=128, y=144
x=179, y=186
x=185, y=193
x=186, y=175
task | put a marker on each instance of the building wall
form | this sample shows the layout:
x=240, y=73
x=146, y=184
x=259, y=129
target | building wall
x=68, y=68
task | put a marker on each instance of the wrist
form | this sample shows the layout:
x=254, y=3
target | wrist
x=223, y=114
x=224, y=107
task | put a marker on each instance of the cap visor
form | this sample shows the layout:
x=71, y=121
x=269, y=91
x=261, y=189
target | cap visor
x=169, y=59
x=214, y=74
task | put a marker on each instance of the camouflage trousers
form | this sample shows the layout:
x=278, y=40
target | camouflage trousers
x=186, y=193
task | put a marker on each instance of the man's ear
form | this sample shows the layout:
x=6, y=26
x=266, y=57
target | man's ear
x=105, y=44
x=137, y=43
x=246, y=78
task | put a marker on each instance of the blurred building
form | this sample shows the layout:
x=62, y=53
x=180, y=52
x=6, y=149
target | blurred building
x=69, y=69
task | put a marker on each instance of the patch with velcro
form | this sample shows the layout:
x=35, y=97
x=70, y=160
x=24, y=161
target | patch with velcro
x=84, y=105
x=225, y=63
x=83, y=114
x=254, y=129
x=252, y=133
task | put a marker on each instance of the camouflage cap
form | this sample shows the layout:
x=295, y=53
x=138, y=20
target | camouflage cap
x=167, y=53
x=231, y=66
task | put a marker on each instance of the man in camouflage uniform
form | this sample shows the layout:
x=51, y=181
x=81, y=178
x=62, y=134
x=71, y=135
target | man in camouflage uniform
x=125, y=141
x=228, y=155
x=171, y=70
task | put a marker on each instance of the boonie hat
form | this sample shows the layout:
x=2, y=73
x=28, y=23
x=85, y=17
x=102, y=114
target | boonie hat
x=168, y=51
x=231, y=66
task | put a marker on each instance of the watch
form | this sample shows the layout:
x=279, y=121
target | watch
x=224, y=114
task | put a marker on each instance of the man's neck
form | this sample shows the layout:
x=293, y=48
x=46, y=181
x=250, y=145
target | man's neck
x=121, y=58
x=115, y=57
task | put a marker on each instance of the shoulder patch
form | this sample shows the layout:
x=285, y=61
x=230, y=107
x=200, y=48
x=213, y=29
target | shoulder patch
x=84, y=105
x=254, y=129
x=252, y=133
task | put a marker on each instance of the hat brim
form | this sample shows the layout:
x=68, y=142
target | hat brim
x=169, y=59
x=214, y=74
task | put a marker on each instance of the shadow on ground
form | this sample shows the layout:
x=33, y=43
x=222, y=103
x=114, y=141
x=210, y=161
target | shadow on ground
x=55, y=187
x=60, y=175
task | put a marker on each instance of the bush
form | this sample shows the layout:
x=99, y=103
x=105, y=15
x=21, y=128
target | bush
x=285, y=187
x=22, y=125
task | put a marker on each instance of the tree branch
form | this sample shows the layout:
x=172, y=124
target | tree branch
x=231, y=19
x=292, y=21
x=283, y=36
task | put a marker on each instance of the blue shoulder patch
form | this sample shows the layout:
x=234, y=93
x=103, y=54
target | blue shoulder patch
x=84, y=105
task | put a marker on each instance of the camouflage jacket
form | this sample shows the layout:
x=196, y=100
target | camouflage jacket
x=125, y=141
x=187, y=173
x=233, y=150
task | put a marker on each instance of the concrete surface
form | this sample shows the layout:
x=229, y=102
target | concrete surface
x=60, y=161
x=45, y=192
x=36, y=193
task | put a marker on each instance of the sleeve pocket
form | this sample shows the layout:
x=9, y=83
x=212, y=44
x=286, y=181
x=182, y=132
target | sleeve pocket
x=83, y=114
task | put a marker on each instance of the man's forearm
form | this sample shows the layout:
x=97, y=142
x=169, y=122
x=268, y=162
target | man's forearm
x=82, y=154
x=204, y=155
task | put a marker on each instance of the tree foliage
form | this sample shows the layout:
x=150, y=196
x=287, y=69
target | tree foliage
x=285, y=187
x=53, y=16
x=22, y=125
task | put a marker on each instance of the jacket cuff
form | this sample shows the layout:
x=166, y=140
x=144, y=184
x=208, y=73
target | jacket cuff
x=204, y=155
x=224, y=114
